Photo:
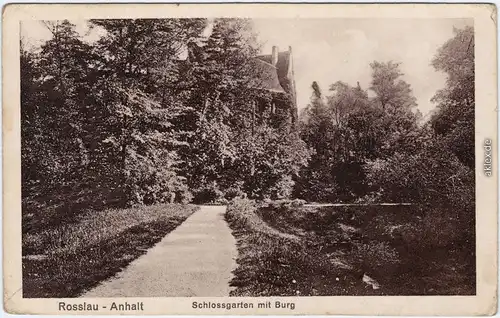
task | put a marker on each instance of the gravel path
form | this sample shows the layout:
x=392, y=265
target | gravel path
x=196, y=259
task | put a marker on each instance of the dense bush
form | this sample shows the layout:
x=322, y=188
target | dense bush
x=240, y=212
x=436, y=180
x=267, y=162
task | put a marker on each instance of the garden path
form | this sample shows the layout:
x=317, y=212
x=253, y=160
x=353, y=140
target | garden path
x=196, y=259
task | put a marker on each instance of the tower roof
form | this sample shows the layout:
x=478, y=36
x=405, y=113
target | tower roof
x=279, y=70
x=267, y=76
x=281, y=65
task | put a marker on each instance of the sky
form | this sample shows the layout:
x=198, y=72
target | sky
x=330, y=50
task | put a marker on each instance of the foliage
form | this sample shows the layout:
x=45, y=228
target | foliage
x=51, y=95
x=454, y=118
x=229, y=151
x=437, y=168
x=379, y=148
x=415, y=177
x=390, y=89
x=268, y=160
x=125, y=119
x=347, y=129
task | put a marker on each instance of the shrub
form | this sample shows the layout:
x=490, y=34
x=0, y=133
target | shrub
x=240, y=212
x=184, y=196
x=235, y=191
x=209, y=193
x=281, y=189
x=443, y=187
x=267, y=160
x=434, y=230
x=430, y=175
x=377, y=258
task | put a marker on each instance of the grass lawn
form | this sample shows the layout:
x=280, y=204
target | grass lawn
x=68, y=260
x=287, y=250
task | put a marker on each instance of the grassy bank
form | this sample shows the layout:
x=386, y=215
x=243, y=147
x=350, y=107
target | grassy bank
x=287, y=249
x=278, y=261
x=67, y=260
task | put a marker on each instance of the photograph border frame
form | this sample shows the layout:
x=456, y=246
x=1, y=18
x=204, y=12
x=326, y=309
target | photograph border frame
x=485, y=19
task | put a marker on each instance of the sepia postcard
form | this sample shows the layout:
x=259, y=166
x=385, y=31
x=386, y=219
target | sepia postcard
x=250, y=159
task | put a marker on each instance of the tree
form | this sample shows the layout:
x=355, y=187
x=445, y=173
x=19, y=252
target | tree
x=125, y=119
x=390, y=89
x=346, y=100
x=220, y=100
x=33, y=155
x=53, y=94
x=454, y=118
x=434, y=166
x=334, y=128
x=347, y=130
x=399, y=121
x=139, y=71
